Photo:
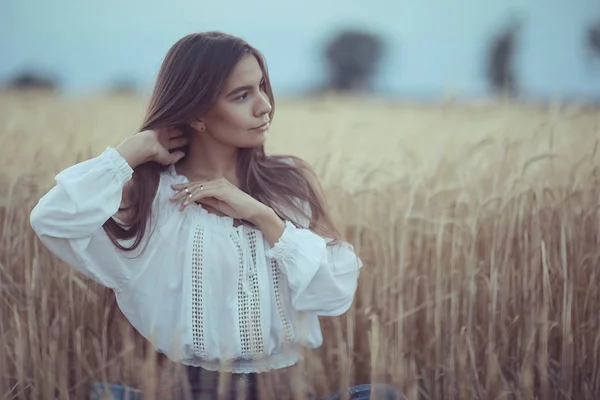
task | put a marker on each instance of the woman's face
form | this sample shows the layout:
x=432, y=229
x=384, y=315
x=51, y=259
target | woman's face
x=240, y=117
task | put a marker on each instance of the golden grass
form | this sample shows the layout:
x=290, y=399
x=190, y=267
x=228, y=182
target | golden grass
x=478, y=226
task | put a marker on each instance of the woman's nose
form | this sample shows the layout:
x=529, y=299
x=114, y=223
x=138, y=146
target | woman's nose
x=264, y=105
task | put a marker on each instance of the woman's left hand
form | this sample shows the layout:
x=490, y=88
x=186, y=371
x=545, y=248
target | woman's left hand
x=223, y=196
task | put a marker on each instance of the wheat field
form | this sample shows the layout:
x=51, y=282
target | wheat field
x=478, y=226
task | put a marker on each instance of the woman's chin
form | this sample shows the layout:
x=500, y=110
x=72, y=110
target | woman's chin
x=257, y=141
x=260, y=138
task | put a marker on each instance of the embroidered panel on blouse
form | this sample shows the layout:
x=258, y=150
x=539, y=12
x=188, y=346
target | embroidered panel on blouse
x=251, y=338
x=277, y=282
x=249, y=315
x=197, y=292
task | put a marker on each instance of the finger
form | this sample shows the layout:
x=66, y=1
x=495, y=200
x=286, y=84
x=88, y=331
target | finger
x=210, y=201
x=191, y=188
x=189, y=199
x=163, y=132
x=177, y=142
x=176, y=156
x=173, y=133
x=190, y=185
x=198, y=195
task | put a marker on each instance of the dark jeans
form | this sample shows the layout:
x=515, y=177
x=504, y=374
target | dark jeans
x=364, y=392
x=204, y=385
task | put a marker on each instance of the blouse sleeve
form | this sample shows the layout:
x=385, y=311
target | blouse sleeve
x=322, y=278
x=69, y=218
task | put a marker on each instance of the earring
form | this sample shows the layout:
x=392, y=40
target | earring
x=202, y=129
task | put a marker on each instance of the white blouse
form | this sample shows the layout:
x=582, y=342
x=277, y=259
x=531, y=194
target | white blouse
x=202, y=291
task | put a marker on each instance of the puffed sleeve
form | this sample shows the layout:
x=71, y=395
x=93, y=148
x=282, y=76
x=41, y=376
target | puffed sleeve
x=68, y=219
x=322, y=278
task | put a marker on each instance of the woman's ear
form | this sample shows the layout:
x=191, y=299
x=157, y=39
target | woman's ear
x=198, y=125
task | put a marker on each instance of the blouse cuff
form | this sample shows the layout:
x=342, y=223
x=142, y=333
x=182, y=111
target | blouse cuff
x=298, y=246
x=114, y=159
x=285, y=244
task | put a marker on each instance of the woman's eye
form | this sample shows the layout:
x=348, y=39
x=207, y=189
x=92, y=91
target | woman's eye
x=263, y=87
x=242, y=97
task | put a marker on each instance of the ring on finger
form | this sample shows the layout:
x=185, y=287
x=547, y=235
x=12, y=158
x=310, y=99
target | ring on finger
x=187, y=191
x=201, y=187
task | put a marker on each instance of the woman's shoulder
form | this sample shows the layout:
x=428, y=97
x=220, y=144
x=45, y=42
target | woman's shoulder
x=164, y=191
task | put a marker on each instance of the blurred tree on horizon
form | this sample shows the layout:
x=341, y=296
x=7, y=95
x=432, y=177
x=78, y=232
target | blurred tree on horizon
x=353, y=57
x=500, y=72
x=30, y=80
x=123, y=86
x=593, y=39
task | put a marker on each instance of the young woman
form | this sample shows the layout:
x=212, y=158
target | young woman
x=222, y=256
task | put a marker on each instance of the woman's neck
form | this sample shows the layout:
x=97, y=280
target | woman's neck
x=208, y=159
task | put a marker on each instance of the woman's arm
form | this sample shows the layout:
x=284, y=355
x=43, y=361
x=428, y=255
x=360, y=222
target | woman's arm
x=322, y=278
x=69, y=218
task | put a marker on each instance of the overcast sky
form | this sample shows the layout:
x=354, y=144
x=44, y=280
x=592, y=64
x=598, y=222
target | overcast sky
x=434, y=45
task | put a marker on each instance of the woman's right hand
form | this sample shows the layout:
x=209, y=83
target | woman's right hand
x=153, y=145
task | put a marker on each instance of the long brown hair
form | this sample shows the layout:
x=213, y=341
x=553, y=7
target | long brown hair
x=188, y=84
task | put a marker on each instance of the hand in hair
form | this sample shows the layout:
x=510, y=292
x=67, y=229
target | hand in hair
x=153, y=145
